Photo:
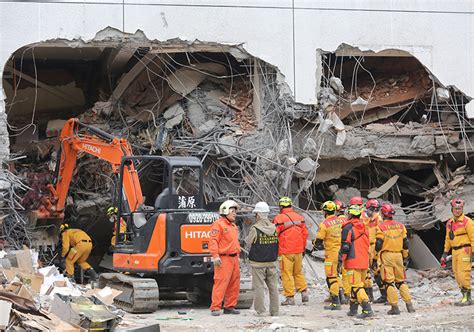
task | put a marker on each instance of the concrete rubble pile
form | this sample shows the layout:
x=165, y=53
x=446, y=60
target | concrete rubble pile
x=37, y=298
x=383, y=126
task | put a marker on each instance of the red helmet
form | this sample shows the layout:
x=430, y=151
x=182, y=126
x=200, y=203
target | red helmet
x=387, y=210
x=372, y=203
x=457, y=203
x=356, y=200
x=340, y=205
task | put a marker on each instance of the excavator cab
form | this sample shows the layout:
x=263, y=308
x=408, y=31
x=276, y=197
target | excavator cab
x=167, y=237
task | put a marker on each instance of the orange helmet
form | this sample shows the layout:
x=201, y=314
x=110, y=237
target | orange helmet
x=356, y=200
x=372, y=203
x=457, y=203
x=387, y=210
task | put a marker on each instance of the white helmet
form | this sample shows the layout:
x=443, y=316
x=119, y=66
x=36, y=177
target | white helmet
x=224, y=209
x=261, y=207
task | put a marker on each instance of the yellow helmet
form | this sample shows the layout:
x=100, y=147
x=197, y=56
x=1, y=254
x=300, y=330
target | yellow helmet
x=354, y=210
x=329, y=206
x=112, y=210
x=285, y=201
x=63, y=227
x=225, y=207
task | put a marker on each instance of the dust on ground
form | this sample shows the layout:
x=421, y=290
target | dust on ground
x=433, y=295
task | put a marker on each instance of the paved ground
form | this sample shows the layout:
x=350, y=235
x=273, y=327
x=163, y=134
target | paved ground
x=433, y=299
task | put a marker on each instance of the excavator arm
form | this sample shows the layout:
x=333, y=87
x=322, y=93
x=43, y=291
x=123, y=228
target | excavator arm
x=99, y=144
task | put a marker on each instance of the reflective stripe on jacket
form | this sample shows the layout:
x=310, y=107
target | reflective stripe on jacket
x=292, y=232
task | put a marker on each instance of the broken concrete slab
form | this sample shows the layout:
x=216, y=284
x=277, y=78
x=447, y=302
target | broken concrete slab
x=207, y=126
x=336, y=84
x=306, y=165
x=186, y=79
x=174, y=115
x=377, y=192
x=54, y=127
x=310, y=146
x=423, y=144
x=420, y=255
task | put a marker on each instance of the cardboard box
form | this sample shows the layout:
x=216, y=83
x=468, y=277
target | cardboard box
x=31, y=280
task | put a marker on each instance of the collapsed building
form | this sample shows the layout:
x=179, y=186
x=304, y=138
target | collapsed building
x=384, y=127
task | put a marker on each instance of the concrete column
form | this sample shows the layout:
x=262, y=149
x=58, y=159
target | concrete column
x=4, y=140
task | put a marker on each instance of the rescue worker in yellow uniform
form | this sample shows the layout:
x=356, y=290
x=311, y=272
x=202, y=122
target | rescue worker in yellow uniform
x=354, y=255
x=371, y=218
x=344, y=287
x=76, y=248
x=460, y=240
x=392, y=247
x=112, y=214
x=329, y=239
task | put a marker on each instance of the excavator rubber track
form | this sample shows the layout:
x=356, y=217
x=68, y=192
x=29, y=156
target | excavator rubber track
x=139, y=295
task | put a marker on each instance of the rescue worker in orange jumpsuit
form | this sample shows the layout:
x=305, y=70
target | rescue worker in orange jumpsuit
x=329, y=239
x=344, y=287
x=224, y=247
x=292, y=236
x=392, y=248
x=354, y=256
x=76, y=248
x=460, y=240
x=371, y=218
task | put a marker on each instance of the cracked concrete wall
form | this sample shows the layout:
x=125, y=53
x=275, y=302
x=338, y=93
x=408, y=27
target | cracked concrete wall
x=4, y=140
x=284, y=33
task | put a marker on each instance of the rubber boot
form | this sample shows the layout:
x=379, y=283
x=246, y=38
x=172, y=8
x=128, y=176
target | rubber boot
x=394, y=310
x=366, y=311
x=370, y=293
x=289, y=301
x=342, y=297
x=466, y=298
x=410, y=307
x=93, y=276
x=353, y=307
x=383, y=296
x=334, y=305
x=304, y=296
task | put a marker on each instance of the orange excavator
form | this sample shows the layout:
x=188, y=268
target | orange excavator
x=160, y=199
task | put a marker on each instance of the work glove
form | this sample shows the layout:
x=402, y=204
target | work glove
x=217, y=261
x=373, y=266
x=443, y=259
x=339, y=267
